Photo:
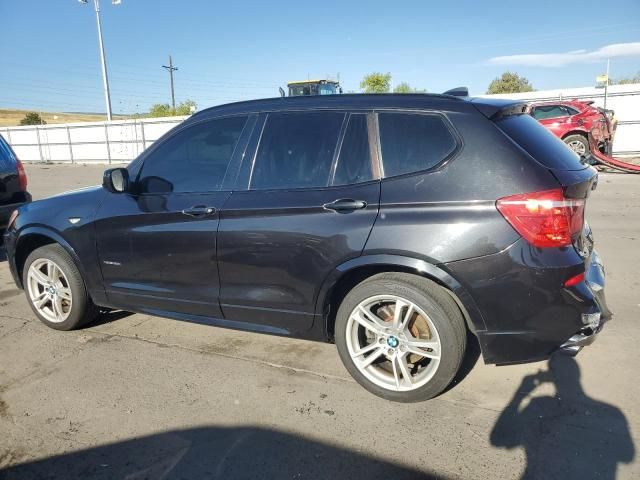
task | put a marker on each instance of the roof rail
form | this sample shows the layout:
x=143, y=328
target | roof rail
x=458, y=92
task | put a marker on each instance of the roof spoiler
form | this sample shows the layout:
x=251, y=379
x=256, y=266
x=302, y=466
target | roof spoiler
x=495, y=108
x=458, y=92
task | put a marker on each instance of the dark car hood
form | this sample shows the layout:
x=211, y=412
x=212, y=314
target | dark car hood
x=56, y=211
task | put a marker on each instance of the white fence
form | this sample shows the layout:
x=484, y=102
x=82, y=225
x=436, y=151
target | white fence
x=623, y=99
x=123, y=140
x=90, y=142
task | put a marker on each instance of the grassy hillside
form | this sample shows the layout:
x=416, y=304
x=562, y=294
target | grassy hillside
x=10, y=118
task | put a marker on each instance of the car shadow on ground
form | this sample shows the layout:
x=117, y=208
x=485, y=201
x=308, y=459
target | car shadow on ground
x=106, y=316
x=214, y=452
x=567, y=435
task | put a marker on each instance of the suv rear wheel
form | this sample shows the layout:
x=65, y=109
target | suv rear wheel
x=402, y=337
x=55, y=289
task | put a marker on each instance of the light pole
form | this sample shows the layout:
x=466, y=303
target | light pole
x=105, y=78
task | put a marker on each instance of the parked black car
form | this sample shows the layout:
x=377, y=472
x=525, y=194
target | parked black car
x=13, y=184
x=390, y=224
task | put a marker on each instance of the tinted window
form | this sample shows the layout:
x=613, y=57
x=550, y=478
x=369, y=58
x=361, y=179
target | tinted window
x=7, y=161
x=412, y=142
x=549, y=111
x=194, y=160
x=541, y=144
x=296, y=150
x=354, y=162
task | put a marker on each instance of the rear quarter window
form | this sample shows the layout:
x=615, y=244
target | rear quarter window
x=412, y=142
x=538, y=142
x=7, y=161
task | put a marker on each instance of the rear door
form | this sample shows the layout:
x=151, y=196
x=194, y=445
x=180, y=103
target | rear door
x=157, y=245
x=311, y=194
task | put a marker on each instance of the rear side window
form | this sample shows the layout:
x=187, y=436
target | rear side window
x=193, y=160
x=413, y=142
x=7, y=161
x=354, y=162
x=541, y=144
x=296, y=150
x=543, y=112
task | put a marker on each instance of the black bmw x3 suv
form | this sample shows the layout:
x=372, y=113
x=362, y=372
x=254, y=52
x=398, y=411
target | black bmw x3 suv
x=396, y=226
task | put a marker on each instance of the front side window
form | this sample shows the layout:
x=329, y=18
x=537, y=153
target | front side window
x=413, y=142
x=193, y=160
x=354, y=161
x=296, y=150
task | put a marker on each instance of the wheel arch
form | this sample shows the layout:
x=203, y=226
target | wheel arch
x=582, y=133
x=349, y=274
x=31, y=238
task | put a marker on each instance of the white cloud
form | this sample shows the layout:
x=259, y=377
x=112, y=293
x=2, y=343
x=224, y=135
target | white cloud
x=614, y=50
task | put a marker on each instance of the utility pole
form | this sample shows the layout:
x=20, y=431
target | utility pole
x=105, y=79
x=606, y=85
x=170, y=68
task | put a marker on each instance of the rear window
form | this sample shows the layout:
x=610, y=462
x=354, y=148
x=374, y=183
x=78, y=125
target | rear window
x=413, y=142
x=7, y=161
x=541, y=144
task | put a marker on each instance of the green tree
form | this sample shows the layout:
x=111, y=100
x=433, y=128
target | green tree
x=165, y=110
x=626, y=81
x=32, y=118
x=404, y=87
x=160, y=110
x=376, y=82
x=185, y=107
x=509, y=82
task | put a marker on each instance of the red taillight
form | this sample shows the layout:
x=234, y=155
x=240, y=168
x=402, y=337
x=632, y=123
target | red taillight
x=22, y=176
x=574, y=280
x=544, y=219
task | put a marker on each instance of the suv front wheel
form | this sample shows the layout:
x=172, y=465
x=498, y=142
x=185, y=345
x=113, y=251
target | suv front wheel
x=400, y=336
x=55, y=289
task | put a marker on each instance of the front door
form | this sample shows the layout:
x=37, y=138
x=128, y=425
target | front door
x=310, y=200
x=157, y=244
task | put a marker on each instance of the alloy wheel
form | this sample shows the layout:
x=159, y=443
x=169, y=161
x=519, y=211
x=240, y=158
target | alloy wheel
x=393, y=342
x=49, y=290
x=578, y=147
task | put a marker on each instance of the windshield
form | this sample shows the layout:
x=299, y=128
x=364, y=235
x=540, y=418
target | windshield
x=327, y=89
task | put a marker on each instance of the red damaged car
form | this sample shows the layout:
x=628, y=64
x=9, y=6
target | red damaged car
x=572, y=120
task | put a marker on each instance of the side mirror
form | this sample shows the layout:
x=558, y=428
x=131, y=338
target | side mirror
x=116, y=180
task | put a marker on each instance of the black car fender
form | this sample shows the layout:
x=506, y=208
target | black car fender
x=387, y=262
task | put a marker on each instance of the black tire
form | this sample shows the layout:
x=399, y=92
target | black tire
x=580, y=139
x=83, y=309
x=441, y=308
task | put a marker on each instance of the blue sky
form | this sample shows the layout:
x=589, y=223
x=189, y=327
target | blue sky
x=229, y=51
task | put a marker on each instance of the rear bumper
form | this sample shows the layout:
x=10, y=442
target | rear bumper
x=9, y=245
x=528, y=313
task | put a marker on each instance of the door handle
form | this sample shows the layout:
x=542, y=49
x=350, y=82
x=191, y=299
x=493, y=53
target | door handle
x=199, y=211
x=345, y=205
